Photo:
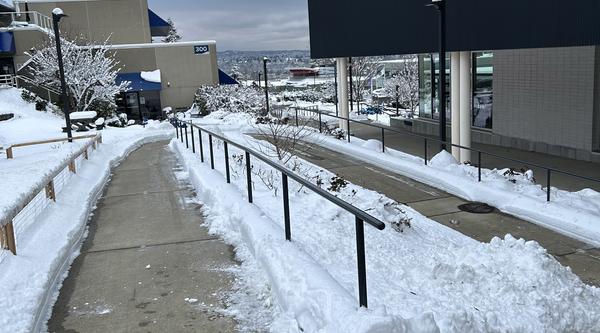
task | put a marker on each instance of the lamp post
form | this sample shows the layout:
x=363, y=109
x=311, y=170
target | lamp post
x=265, y=60
x=57, y=14
x=440, y=5
x=397, y=101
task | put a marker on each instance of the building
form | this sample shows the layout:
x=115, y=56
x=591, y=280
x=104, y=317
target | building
x=130, y=26
x=524, y=75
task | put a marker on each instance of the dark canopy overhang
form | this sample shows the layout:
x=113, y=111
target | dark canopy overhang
x=224, y=78
x=340, y=28
x=137, y=83
x=7, y=42
x=158, y=26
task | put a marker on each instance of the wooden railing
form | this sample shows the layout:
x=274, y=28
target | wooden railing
x=8, y=239
x=9, y=150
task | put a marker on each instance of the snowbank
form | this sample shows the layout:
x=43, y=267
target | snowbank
x=426, y=278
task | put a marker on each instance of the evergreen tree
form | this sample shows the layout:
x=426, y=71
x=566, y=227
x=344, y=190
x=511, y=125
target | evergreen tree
x=173, y=36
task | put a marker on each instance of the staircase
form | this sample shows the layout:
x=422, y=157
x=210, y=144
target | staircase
x=19, y=81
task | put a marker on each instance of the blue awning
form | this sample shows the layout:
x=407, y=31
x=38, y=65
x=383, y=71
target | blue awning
x=137, y=83
x=224, y=78
x=158, y=26
x=7, y=42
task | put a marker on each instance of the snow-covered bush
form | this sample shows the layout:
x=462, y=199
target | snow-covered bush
x=230, y=98
x=90, y=72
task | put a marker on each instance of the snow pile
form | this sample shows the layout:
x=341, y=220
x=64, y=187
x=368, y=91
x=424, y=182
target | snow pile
x=152, y=76
x=575, y=214
x=83, y=115
x=422, y=276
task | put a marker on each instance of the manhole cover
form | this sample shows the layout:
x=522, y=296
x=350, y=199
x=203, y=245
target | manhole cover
x=476, y=208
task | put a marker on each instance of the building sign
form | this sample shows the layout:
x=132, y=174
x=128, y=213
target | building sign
x=200, y=49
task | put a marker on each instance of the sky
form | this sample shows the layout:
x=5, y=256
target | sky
x=240, y=24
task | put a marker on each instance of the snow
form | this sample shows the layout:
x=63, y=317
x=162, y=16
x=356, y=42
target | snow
x=152, y=76
x=427, y=278
x=575, y=214
x=57, y=11
x=83, y=115
x=29, y=282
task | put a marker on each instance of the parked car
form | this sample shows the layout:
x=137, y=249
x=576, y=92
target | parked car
x=371, y=110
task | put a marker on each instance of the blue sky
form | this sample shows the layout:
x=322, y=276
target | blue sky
x=240, y=24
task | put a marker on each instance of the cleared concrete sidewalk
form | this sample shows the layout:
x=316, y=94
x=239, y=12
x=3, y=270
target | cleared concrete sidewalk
x=146, y=253
x=442, y=207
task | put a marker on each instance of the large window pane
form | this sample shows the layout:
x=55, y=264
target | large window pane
x=425, y=86
x=483, y=70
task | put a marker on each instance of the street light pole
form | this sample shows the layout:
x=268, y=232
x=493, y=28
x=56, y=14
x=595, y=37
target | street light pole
x=265, y=60
x=440, y=5
x=397, y=101
x=57, y=14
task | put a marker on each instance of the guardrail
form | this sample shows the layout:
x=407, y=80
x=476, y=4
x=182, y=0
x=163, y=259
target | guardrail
x=29, y=84
x=40, y=197
x=26, y=18
x=360, y=216
x=9, y=150
x=306, y=112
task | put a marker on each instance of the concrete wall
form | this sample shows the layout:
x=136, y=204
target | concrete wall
x=545, y=96
x=124, y=21
x=25, y=41
x=182, y=71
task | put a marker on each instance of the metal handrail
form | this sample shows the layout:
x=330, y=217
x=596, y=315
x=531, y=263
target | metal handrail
x=35, y=18
x=360, y=216
x=444, y=142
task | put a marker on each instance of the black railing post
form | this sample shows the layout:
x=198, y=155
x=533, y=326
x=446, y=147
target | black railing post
x=249, y=177
x=425, y=151
x=201, y=147
x=360, y=258
x=181, y=129
x=383, y=140
x=212, y=158
x=348, y=125
x=286, y=207
x=176, y=124
x=548, y=185
x=479, y=165
x=227, y=162
x=192, y=135
x=320, y=123
x=187, y=145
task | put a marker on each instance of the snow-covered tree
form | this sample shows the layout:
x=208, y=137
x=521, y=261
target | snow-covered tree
x=90, y=72
x=231, y=98
x=407, y=80
x=173, y=35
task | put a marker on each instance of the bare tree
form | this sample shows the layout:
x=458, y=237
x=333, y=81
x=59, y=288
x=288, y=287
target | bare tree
x=363, y=70
x=286, y=141
x=407, y=81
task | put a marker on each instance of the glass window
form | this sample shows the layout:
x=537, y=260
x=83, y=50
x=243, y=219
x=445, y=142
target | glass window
x=483, y=70
x=425, y=88
x=428, y=103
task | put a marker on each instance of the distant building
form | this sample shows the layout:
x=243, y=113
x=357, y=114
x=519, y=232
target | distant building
x=130, y=24
x=304, y=72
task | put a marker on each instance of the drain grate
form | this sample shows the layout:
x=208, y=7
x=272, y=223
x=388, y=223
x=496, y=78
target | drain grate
x=476, y=208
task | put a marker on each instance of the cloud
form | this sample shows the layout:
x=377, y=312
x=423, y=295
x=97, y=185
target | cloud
x=240, y=24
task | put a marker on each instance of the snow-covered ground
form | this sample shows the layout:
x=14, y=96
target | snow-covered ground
x=422, y=278
x=48, y=239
